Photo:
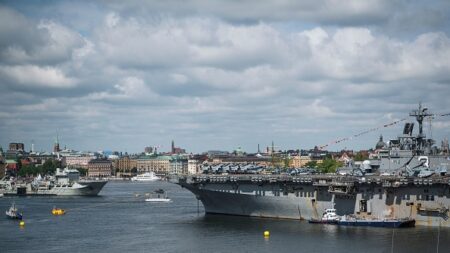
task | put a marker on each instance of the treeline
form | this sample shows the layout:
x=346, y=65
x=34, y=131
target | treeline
x=328, y=165
x=49, y=167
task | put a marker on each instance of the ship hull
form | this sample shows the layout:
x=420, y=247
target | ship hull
x=427, y=204
x=87, y=189
x=84, y=188
x=91, y=188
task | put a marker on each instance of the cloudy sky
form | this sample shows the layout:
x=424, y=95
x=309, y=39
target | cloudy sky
x=122, y=75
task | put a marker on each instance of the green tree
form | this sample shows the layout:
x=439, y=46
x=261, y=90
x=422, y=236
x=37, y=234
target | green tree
x=329, y=165
x=29, y=170
x=23, y=171
x=287, y=162
x=311, y=164
x=49, y=166
x=83, y=171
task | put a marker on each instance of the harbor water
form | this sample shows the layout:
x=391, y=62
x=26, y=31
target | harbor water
x=119, y=220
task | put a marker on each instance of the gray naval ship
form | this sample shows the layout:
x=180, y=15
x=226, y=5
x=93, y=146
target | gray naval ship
x=406, y=179
x=66, y=182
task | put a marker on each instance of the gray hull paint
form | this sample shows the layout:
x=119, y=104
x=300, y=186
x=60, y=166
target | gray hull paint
x=428, y=204
x=91, y=189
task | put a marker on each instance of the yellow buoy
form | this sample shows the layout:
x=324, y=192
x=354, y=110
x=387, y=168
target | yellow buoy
x=266, y=233
x=22, y=223
x=58, y=211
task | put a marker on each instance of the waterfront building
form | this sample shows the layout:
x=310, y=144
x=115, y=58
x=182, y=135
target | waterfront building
x=300, y=161
x=2, y=168
x=239, y=152
x=12, y=154
x=178, y=165
x=12, y=166
x=177, y=150
x=77, y=161
x=26, y=161
x=124, y=166
x=39, y=159
x=158, y=164
x=16, y=146
x=445, y=147
x=317, y=154
x=162, y=165
x=99, y=168
x=195, y=164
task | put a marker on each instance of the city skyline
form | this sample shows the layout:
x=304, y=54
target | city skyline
x=212, y=76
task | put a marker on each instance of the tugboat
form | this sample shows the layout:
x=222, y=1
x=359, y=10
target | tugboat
x=330, y=217
x=13, y=213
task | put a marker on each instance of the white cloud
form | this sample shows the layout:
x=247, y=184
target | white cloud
x=325, y=11
x=129, y=88
x=254, y=75
x=62, y=42
x=134, y=44
x=179, y=78
x=112, y=19
x=30, y=75
x=24, y=42
x=317, y=110
x=43, y=106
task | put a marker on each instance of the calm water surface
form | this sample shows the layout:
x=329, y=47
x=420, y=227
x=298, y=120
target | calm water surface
x=118, y=221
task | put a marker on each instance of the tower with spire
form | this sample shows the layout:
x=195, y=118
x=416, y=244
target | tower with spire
x=56, y=145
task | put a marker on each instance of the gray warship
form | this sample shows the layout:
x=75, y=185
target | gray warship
x=407, y=178
x=66, y=182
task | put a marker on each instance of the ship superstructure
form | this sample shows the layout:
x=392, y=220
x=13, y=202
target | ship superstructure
x=412, y=155
x=408, y=179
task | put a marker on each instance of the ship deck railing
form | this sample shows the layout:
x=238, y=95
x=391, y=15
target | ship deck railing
x=315, y=179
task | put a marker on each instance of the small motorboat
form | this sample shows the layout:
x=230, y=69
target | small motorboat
x=13, y=213
x=328, y=217
x=58, y=211
x=157, y=196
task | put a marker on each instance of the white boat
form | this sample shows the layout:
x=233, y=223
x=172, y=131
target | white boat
x=328, y=217
x=146, y=177
x=158, y=200
x=13, y=213
x=157, y=196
